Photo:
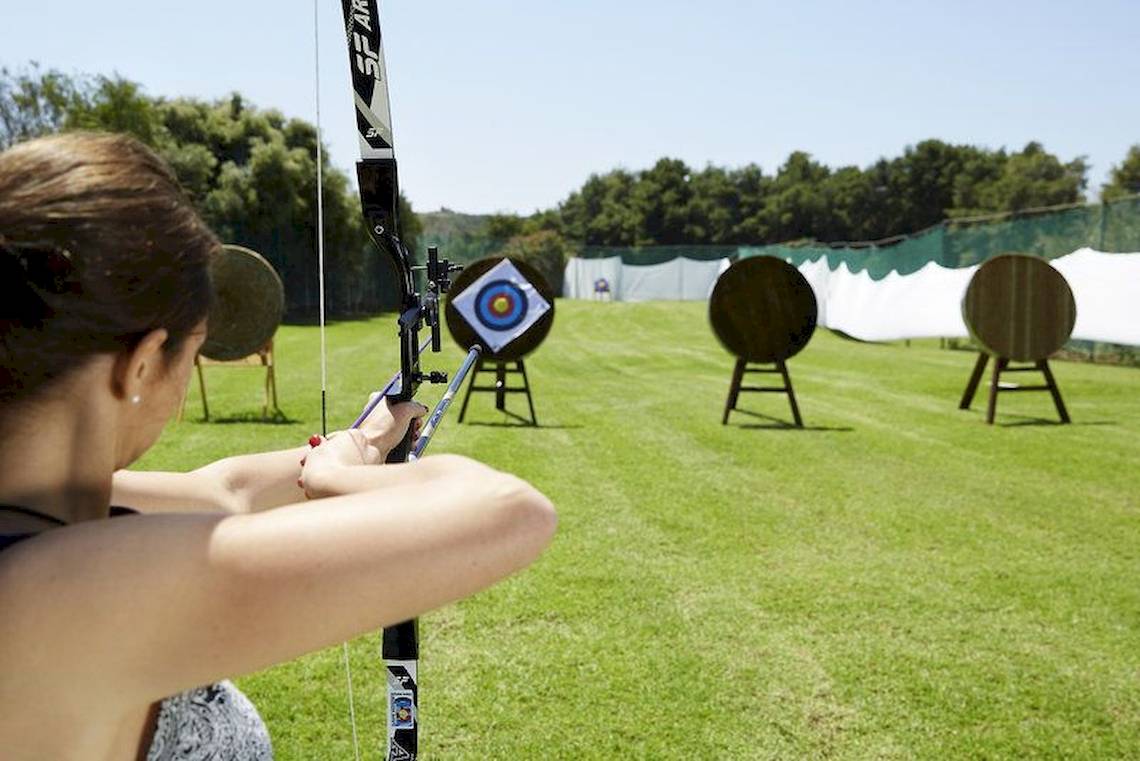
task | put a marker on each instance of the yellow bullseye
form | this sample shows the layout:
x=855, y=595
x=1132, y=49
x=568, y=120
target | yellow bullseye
x=501, y=304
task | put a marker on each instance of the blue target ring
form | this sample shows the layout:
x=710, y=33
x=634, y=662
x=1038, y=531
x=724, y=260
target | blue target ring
x=500, y=305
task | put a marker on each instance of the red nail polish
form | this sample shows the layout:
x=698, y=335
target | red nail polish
x=314, y=440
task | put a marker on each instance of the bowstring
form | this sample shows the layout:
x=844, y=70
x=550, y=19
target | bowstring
x=321, y=300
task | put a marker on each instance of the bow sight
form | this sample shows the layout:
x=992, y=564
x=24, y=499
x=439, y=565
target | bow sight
x=437, y=272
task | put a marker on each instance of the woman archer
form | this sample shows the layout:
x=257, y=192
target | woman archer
x=117, y=633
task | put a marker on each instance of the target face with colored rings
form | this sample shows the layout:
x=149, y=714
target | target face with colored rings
x=500, y=305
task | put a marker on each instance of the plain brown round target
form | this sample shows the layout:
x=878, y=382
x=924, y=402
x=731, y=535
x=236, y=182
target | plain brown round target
x=1019, y=307
x=249, y=301
x=466, y=336
x=763, y=310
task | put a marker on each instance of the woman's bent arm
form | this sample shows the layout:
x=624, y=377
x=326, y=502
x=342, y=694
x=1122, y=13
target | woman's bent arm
x=158, y=604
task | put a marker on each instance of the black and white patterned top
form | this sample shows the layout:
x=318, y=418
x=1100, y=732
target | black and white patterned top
x=215, y=723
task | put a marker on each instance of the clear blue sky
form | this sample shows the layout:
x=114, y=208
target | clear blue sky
x=509, y=105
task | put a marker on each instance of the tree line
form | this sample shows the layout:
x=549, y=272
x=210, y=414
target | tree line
x=672, y=203
x=250, y=172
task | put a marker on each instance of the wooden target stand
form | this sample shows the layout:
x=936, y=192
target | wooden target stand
x=249, y=301
x=263, y=358
x=500, y=388
x=1018, y=309
x=764, y=312
x=507, y=363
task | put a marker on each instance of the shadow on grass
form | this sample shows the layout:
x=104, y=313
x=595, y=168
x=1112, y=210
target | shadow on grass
x=277, y=418
x=848, y=337
x=524, y=424
x=778, y=424
x=1040, y=421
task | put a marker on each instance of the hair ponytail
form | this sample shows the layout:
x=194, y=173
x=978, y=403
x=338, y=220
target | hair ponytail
x=98, y=246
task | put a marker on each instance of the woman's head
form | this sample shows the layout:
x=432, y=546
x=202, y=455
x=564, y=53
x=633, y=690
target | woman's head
x=99, y=250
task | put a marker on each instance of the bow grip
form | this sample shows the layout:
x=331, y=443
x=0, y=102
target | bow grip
x=401, y=451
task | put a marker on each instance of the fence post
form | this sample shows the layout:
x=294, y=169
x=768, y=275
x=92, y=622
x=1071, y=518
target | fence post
x=945, y=231
x=1103, y=224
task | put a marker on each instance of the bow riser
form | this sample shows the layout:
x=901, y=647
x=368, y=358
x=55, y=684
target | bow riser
x=379, y=200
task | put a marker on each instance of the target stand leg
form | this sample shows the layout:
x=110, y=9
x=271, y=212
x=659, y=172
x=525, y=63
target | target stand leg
x=783, y=368
x=995, y=385
x=202, y=387
x=268, y=362
x=1051, y=383
x=975, y=379
x=470, y=386
x=501, y=387
x=733, y=390
x=529, y=400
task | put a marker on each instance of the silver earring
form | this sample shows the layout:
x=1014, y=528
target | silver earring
x=136, y=399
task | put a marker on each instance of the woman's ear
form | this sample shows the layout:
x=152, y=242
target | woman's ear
x=138, y=367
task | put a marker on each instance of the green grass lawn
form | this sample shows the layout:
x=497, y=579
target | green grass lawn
x=899, y=580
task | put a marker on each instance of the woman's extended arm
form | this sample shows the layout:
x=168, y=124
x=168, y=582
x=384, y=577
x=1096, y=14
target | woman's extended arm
x=249, y=483
x=242, y=484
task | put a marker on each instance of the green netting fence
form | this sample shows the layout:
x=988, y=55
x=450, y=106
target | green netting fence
x=1111, y=227
x=954, y=243
x=646, y=255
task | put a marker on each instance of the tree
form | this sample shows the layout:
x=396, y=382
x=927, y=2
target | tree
x=546, y=251
x=504, y=226
x=34, y=102
x=752, y=187
x=794, y=206
x=670, y=203
x=1033, y=178
x=1124, y=179
x=660, y=200
x=250, y=172
x=601, y=212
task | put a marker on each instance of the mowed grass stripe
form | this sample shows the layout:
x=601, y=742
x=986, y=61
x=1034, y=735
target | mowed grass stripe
x=898, y=581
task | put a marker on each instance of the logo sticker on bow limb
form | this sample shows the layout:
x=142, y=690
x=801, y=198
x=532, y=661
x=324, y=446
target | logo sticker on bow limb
x=403, y=710
x=501, y=305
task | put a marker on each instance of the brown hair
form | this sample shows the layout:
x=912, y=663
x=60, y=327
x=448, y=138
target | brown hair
x=98, y=246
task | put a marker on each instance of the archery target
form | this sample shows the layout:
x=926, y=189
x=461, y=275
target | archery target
x=249, y=300
x=504, y=305
x=501, y=305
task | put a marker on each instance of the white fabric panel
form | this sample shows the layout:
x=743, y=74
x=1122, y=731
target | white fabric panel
x=681, y=279
x=1106, y=288
x=926, y=303
x=699, y=276
x=651, y=282
x=581, y=274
